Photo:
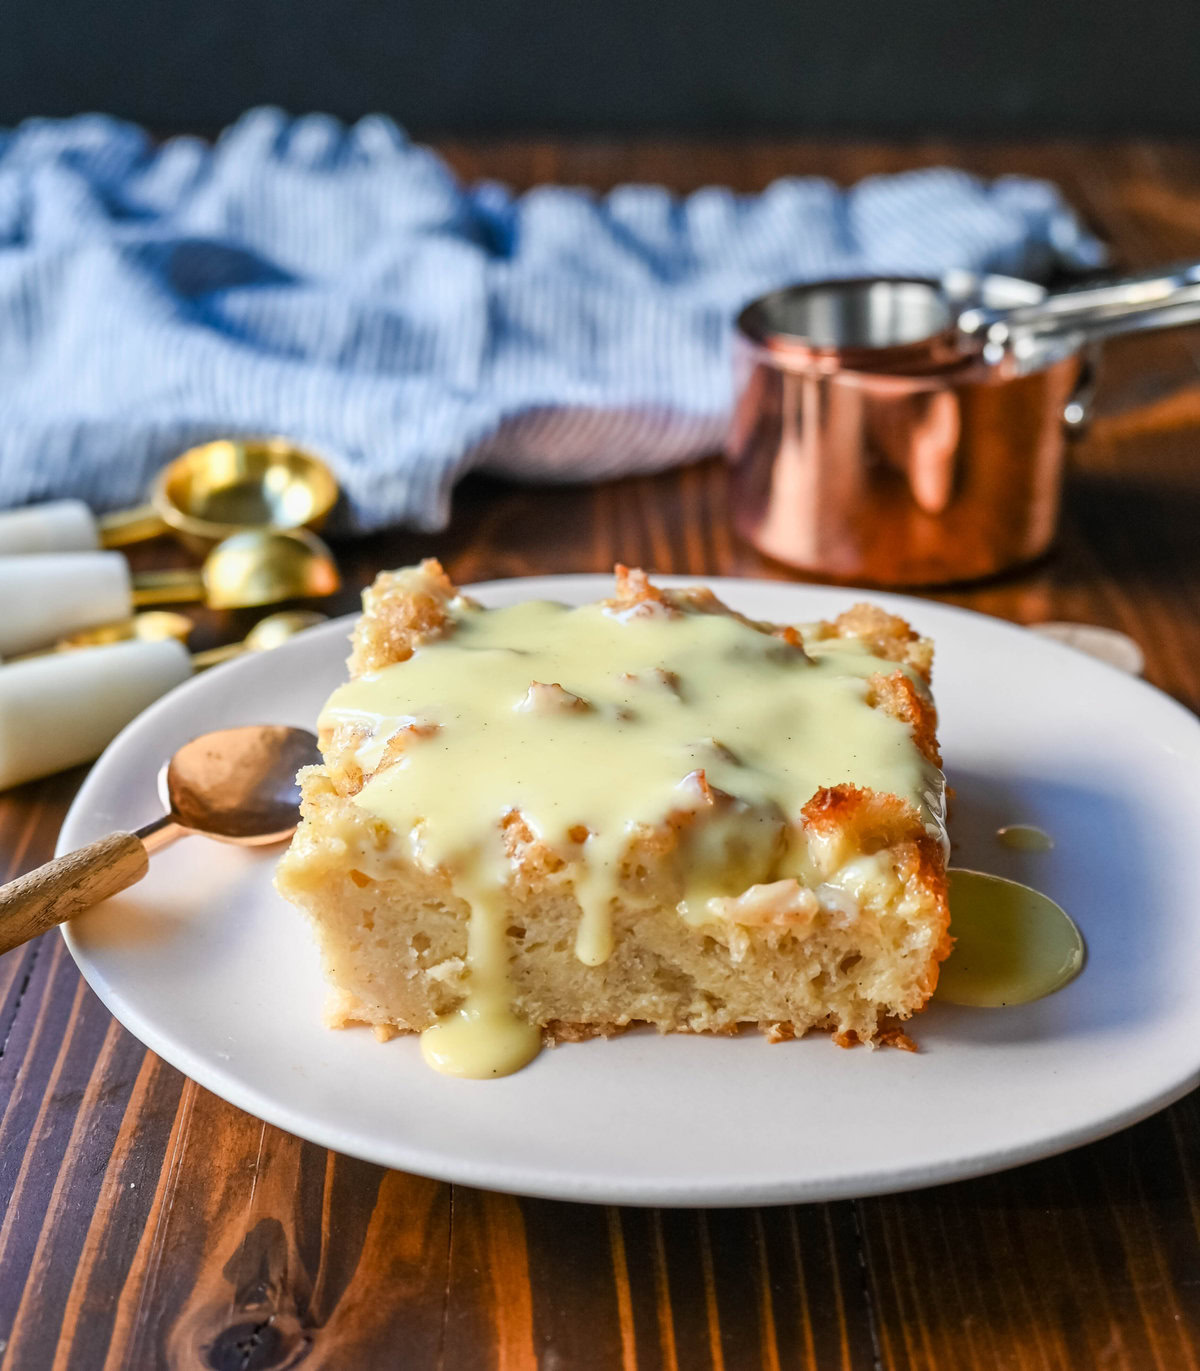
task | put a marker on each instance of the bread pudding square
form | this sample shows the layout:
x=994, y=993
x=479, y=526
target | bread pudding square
x=548, y=823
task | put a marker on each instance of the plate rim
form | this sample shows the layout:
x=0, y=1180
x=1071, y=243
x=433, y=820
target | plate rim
x=538, y=1180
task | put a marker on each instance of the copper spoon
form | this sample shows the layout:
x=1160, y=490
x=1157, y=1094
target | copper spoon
x=237, y=785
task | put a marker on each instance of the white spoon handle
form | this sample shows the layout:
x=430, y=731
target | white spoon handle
x=60, y=526
x=68, y=885
x=46, y=595
x=65, y=708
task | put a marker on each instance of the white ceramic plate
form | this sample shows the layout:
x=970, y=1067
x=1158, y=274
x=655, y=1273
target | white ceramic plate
x=213, y=971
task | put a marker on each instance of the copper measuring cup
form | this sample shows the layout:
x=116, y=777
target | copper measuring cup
x=902, y=431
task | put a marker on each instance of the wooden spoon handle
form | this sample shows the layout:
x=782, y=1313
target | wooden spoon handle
x=68, y=885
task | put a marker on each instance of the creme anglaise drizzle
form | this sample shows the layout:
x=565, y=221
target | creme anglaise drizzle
x=591, y=723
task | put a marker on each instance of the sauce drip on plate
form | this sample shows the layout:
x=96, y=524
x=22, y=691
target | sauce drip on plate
x=1024, y=838
x=1013, y=944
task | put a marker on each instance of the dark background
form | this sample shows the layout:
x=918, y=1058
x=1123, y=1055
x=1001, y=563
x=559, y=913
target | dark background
x=892, y=67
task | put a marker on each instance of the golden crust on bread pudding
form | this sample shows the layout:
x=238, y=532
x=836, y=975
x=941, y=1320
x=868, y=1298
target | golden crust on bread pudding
x=400, y=610
x=853, y=947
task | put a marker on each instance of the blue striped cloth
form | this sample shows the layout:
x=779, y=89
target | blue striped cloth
x=340, y=286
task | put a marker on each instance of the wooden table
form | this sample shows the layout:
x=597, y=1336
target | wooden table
x=146, y=1223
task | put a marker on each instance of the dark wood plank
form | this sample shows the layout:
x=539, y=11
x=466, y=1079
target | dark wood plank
x=144, y=1223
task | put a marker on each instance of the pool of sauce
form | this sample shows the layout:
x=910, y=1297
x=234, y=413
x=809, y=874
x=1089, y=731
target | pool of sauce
x=1012, y=943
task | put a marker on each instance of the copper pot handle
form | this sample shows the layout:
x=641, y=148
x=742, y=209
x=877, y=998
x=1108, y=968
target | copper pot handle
x=1079, y=408
x=1167, y=297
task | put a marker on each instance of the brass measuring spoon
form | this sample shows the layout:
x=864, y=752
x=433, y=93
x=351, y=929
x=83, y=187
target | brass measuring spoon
x=237, y=785
x=254, y=567
x=267, y=634
x=153, y=625
x=202, y=497
x=47, y=596
x=217, y=489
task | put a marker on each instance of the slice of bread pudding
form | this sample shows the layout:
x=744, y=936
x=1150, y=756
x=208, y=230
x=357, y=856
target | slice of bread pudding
x=550, y=822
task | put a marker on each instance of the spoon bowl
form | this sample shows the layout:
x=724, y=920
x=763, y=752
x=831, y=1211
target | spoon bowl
x=262, y=567
x=217, y=489
x=237, y=785
x=153, y=625
x=276, y=629
x=270, y=632
x=251, y=568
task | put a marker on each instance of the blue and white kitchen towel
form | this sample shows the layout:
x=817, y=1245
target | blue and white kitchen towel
x=340, y=286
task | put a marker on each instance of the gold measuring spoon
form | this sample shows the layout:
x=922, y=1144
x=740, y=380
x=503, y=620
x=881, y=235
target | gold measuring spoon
x=48, y=596
x=254, y=567
x=203, y=496
x=268, y=633
x=237, y=785
x=217, y=489
x=153, y=625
